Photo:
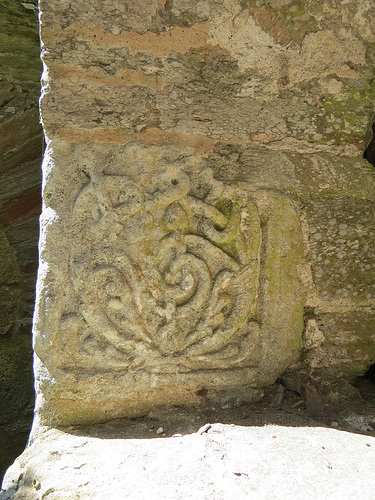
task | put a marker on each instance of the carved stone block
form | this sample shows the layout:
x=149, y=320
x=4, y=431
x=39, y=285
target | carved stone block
x=163, y=281
x=194, y=151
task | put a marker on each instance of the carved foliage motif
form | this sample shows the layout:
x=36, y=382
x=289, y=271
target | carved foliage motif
x=167, y=267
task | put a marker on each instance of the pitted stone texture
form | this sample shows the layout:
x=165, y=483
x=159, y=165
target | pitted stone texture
x=343, y=343
x=194, y=149
x=239, y=71
x=170, y=269
x=342, y=247
x=166, y=281
x=227, y=461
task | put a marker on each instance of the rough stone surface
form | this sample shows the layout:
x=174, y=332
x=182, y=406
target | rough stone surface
x=208, y=217
x=225, y=461
x=161, y=285
x=20, y=205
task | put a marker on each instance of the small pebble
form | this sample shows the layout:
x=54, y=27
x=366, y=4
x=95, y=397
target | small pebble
x=334, y=424
x=160, y=430
x=204, y=428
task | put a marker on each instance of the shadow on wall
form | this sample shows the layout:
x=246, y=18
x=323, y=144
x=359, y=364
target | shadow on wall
x=20, y=205
x=369, y=154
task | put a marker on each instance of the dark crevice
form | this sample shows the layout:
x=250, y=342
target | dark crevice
x=369, y=153
x=366, y=383
x=370, y=374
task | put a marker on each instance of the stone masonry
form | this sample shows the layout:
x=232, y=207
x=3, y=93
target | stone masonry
x=208, y=217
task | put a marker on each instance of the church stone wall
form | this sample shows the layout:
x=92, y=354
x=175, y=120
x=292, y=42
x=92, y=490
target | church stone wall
x=208, y=218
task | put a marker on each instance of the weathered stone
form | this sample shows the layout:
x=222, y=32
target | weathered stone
x=207, y=212
x=250, y=460
x=160, y=265
x=20, y=205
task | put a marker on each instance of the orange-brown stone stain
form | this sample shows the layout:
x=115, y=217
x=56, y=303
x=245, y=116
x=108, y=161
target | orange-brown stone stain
x=177, y=39
x=127, y=77
x=151, y=137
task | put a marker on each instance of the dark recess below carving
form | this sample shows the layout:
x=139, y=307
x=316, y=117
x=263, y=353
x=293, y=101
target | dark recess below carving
x=369, y=154
x=366, y=384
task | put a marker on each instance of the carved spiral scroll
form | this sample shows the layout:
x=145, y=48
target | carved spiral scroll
x=160, y=270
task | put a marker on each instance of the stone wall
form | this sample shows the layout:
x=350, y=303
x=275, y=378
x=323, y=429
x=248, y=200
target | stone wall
x=20, y=205
x=208, y=220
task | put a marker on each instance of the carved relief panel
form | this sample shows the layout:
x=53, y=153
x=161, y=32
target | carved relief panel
x=169, y=270
x=162, y=280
